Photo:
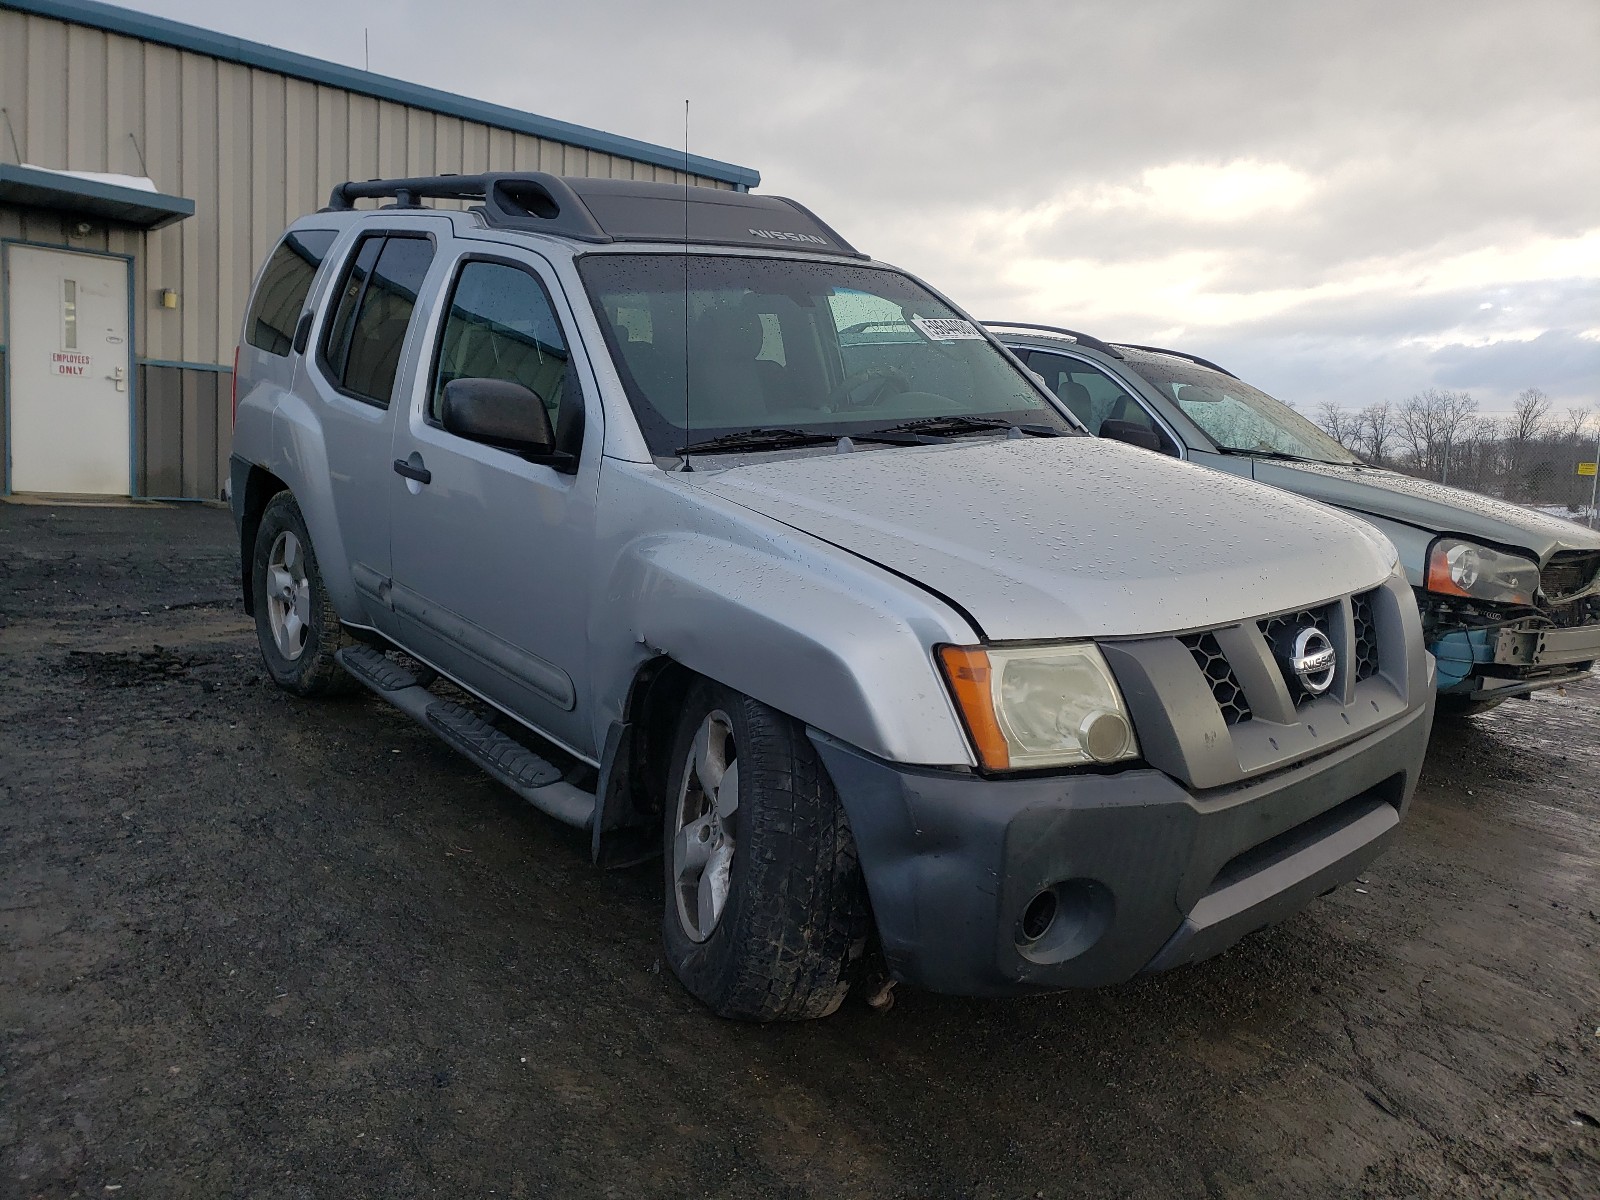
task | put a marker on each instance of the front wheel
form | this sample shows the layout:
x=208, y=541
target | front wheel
x=297, y=626
x=766, y=910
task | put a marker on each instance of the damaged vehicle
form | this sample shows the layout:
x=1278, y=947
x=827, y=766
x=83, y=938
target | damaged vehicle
x=1509, y=596
x=708, y=535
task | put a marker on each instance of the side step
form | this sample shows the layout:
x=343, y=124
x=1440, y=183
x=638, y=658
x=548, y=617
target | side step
x=535, y=779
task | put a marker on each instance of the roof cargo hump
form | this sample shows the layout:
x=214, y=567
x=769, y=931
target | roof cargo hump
x=630, y=210
x=614, y=210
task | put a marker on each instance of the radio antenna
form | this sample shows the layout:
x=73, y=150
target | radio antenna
x=688, y=431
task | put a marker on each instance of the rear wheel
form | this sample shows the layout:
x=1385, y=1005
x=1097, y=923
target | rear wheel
x=766, y=910
x=296, y=624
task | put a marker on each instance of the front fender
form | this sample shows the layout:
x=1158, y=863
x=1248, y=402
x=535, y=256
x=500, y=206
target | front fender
x=815, y=632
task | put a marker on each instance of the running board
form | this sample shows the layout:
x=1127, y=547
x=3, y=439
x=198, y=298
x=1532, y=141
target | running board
x=535, y=779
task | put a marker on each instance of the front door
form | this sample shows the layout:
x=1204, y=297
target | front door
x=68, y=359
x=491, y=551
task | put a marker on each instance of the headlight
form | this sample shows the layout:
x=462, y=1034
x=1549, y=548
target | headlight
x=1039, y=706
x=1458, y=568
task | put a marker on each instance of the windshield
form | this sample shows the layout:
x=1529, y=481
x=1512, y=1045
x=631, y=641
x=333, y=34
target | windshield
x=825, y=349
x=1237, y=416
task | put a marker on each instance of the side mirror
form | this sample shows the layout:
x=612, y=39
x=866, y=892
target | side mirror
x=499, y=413
x=1132, y=433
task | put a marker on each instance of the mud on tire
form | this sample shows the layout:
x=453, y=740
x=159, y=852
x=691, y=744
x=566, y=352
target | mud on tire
x=288, y=591
x=794, y=919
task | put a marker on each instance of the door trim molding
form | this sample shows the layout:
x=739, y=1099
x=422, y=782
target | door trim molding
x=6, y=245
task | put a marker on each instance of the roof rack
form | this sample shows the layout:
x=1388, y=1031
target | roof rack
x=1083, y=339
x=1194, y=358
x=613, y=210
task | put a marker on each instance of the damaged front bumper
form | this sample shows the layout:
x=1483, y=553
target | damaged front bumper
x=992, y=886
x=1485, y=656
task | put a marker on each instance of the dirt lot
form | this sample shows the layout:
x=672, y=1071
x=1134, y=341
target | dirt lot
x=254, y=946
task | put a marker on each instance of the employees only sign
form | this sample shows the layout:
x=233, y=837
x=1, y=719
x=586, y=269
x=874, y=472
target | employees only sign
x=68, y=362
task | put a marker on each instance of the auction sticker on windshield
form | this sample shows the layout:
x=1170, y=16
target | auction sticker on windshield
x=947, y=329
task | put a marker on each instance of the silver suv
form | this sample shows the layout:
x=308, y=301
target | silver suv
x=705, y=533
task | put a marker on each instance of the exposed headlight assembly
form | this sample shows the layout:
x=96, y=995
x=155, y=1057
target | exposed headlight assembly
x=1461, y=568
x=1039, y=706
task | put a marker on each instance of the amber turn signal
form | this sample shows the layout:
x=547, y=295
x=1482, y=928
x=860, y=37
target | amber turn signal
x=970, y=676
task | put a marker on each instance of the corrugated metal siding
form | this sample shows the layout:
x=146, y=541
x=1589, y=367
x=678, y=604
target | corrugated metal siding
x=182, y=424
x=253, y=149
x=5, y=449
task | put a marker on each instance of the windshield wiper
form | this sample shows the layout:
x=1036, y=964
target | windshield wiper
x=759, y=439
x=1285, y=455
x=781, y=439
x=958, y=426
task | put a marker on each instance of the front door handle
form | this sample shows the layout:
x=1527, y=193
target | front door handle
x=413, y=470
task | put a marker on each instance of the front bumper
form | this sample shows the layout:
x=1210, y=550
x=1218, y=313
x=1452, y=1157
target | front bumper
x=1512, y=657
x=1144, y=874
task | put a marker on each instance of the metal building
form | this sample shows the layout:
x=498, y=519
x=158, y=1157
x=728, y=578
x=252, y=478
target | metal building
x=146, y=168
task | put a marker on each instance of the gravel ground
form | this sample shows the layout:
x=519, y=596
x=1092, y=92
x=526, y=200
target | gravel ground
x=257, y=946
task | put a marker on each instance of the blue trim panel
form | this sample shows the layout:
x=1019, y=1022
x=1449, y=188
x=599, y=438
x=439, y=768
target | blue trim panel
x=270, y=58
x=184, y=366
x=47, y=189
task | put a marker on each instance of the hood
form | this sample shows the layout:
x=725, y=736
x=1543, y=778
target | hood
x=1428, y=505
x=1068, y=537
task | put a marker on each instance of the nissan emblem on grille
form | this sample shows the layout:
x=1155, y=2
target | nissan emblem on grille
x=1313, y=660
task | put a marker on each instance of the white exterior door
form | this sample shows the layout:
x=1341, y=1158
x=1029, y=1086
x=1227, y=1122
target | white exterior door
x=68, y=358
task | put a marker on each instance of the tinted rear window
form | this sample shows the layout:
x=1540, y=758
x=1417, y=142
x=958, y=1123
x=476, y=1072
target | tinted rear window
x=281, y=294
x=376, y=301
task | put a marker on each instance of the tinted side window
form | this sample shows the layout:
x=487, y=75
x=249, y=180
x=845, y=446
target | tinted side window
x=501, y=326
x=281, y=294
x=375, y=307
x=1092, y=395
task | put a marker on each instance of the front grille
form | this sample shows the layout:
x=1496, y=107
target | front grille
x=1366, y=647
x=1280, y=632
x=1576, y=613
x=1569, y=573
x=1213, y=664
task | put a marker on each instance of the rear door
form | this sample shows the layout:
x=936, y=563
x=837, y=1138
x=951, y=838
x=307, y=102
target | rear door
x=491, y=551
x=363, y=358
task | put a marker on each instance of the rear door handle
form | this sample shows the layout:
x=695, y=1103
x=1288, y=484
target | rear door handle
x=413, y=470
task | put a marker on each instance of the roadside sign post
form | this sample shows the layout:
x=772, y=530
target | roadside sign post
x=1592, y=469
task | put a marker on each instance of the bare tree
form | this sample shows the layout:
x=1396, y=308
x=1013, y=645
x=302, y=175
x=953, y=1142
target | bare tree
x=1431, y=424
x=1377, y=431
x=1342, y=426
x=1524, y=428
x=1528, y=415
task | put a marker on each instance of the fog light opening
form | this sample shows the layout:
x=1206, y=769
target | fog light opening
x=1039, y=916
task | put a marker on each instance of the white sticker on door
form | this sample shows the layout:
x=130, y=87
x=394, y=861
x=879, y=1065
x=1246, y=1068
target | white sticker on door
x=65, y=362
x=947, y=329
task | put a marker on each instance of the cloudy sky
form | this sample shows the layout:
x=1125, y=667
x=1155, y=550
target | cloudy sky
x=1339, y=200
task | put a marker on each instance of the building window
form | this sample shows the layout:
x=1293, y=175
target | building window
x=69, y=314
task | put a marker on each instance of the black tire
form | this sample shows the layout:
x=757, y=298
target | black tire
x=314, y=670
x=796, y=918
x=1456, y=708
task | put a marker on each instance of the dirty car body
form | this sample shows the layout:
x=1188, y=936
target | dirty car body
x=1509, y=596
x=1069, y=740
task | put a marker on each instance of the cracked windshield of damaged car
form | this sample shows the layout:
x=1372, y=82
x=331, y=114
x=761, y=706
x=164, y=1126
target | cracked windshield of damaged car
x=1237, y=416
x=818, y=349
